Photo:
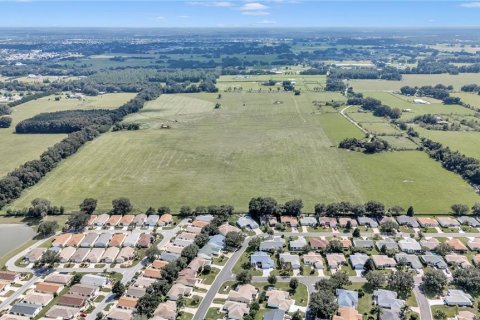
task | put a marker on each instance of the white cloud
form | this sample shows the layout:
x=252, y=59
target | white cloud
x=253, y=6
x=255, y=13
x=184, y=17
x=266, y=22
x=159, y=18
x=471, y=5
x=218, y=4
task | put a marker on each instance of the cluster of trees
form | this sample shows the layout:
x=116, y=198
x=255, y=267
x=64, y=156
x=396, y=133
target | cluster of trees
x=265, y=206
x=370, y=208
x=386, y=73
x=5, y=121
x=376, y=106
x=64, y=121
x=368, y=145
x=335, y=84
x=157, y=291
x=39, y=208
x=467, y=167
x=31, y=172
x=316, y=69
x=30, y=97
x=471, y=88
x=323, y=302
x=126, y=126
x=467, y=279
x=440, y=92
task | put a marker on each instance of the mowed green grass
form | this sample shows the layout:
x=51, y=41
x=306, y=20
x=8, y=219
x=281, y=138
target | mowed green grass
x=255, y=82
x=416, y=80
x=250, y=147
x=472, y=99
x=20, y=148
x=466, y=142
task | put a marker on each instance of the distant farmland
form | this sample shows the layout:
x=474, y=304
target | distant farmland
x=278, y=144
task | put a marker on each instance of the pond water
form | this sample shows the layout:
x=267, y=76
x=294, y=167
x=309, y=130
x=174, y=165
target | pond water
x=13, y=236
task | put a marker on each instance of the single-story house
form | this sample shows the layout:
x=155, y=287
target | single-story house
x=94, y=255
x=458, y=298
x=474, y=244
x=91, y=220
x=84, y=290
x=128, y=303
x=166, y=310
x=309, y=221
x=298, y=244
x=41, y=299
x=152, y=273
x=62, y=313
x=358, y=260
x=336, y=260
x=70, y=300
x=226, y=228
x=407, y=221
x=458, y=260
x=289, y=221
x=182, y=242
x=136, y=292
x=47, y=287
x=343, y=222
x=235, y=310
x=198, y=263
x=117, y=240
x=245, y=293
x=126, y=220
x=8, y=316
x=247, y=222
x=152, y=220
x=126, y=254
x=275, y=314
x=192, y=229
x=60, y=278
x=120, y=314
x=187, y=277
x=169, y=256
x=178, y=289
x=347, y=313
x=114, y=220
x=387, y=243
x=409, y=245
x=145, y=240
x=131, y=240
x=318, y=244
x=103, y=240
x=94, y=280
x=409, y=259
x=170, y=247
x=470, y=221
x=66, y=254
x=346, y=243
x=426, y=222
x=279, y=299
x=144, y=282
x=457, y=245
x=80, y=255
x=166, y=219
x=347, y=298
x=292, y=259
x=382, y=261
x=186, y=236
x=205, y=217
x=139, y=219
x=313, y=259
x=61, y=240
x=476, y=260
x=34, y=255
x=261, y=260
x=328, y=222
x=110, y=255
x=9, y=276
x=159, y=264
x=429, y=244
x=25, y=309
x=387, y=299
x=367, y=221
x=365, y=244
x=448, y=222
x=89, y=240
x=273, y=243
x=434, y=260
x=272, y=221
x=75, y=239
x=101, y=220
x=199, y=224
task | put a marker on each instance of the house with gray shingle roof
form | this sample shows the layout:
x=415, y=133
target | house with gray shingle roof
x=261, y=260
x=308, y=221
x=409, y=259
x=409, y=245
x=407, y=221
x=152, y=220
x=358, y=260
x=298, y=244
x=275, y=314
x=89, y=240
x=458, y=298
x=169, y=256
x=470, y=221
x=139, y=219
x=388, y=243
x=434, y=260
x=204, y=217
x=367, y=221
x=132, y=239
x=25, y=309
x=247, y=222
x=448, y=222
x=272, y=244
x=347, y=298
x=387, y=299
x=366, y=244
x=293, y=259
x=103, y=240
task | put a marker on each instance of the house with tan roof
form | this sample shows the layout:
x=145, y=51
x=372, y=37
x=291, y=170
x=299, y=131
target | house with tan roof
x=457, y=245
x=313, y=259
x=75, y=239
x=382, y=261
x=159, y=264
x=101, y=220
x=120, y=314
x=59, y=278
x=61, y=240
x=136, y=292
x=34, y=255
x=199, y=224
x=336, y=260
x=113, y=220
x=245, y=293
x=346, y=243
x=166, y=311
x=139, y=219
x=187, y=277
x=272, y=221
x=47, y=287
x=318, y=244
x=344, y=221
x=91, y=220
x=9, y=276
x=110, y=255
x=192, y=229
x=117, y=240
x=126, y=254
x=126, y=220
x=476, y=260
x=279, y=299
x=289, y=221
x=152, y=273
x=235, y=310
x=70, y=300
x=198, y=263
x=179, y=289
x=62, y=313
x=169, y=247
x=429, y=244
x=458, y=260
x=426, y=222
x=89, y=240
x=143, y=282
x=66, y=254
x=145, y=240
x=84, y=290
x=127, y=303
x=330, y=222
x=347, y=313
x=165, y=219
x=226, y=228
x=80, y=255
x=186, y=236
x=41, y=299
x=94, y=255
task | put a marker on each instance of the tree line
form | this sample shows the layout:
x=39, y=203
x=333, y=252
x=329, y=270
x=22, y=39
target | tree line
x=368, y=145
x=375, y=106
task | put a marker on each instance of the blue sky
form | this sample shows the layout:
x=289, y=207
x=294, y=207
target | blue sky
x=205, y=13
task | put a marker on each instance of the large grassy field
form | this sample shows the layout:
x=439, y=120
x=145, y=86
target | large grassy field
x=466, y=142
x=19, y=148
x=256, y=144
x=255, y=82
x=416, y=80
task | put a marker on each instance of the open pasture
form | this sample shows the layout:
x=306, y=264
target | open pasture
x=472, y=99
x=256, y=82
x=20, y=148
x=416, y=80
x=255, y=144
